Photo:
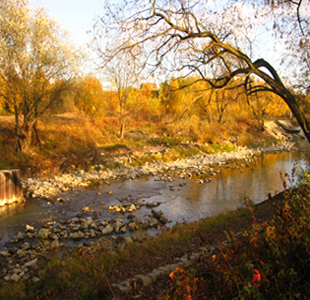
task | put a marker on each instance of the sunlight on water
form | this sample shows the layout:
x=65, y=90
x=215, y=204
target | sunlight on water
x=188, y=202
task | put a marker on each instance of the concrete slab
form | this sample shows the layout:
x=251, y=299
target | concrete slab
x=146, y=279
x=155, y=274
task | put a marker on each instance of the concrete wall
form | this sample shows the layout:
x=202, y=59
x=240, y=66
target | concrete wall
x=10, y=187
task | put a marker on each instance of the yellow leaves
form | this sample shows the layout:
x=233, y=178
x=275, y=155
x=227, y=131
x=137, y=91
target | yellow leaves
x=270, y=233
x=89, y=96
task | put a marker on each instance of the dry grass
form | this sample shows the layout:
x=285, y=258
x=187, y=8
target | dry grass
x=73, y=138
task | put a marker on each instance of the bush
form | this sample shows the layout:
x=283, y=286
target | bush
x=271, y=261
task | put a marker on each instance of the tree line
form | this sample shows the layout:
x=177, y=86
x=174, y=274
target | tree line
x=210, y=73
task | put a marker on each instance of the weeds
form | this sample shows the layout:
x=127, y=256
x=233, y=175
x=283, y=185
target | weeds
x=183, y=285
x=270, y=261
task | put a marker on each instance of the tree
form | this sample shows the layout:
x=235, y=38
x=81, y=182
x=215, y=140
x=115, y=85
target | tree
x=184, y=36
x=124, y=72
x=89, y=96
x=34, y=54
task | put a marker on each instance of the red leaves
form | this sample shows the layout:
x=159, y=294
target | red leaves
x=83, y=253
x=256, y=279
x=184, y=285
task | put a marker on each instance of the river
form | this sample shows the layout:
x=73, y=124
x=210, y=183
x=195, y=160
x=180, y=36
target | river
x=181, y=199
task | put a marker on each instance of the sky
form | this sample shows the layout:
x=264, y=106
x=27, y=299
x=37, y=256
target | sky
x=76, y=16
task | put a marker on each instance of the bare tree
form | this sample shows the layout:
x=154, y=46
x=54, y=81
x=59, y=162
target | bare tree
x=124, y=73
x=179, y=36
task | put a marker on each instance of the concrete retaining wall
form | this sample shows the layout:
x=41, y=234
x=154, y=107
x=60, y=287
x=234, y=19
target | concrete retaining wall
x=10, y=187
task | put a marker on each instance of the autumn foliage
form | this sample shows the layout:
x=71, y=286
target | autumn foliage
x=270, y=261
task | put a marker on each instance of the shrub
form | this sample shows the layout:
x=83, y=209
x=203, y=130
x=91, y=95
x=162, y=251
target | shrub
x=270, y=261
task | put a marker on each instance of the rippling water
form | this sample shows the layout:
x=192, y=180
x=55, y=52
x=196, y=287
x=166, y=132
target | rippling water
x=189, y=202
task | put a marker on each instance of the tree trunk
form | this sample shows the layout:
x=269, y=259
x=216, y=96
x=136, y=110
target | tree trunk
x=36, y=132
x=122, y=128
x=298, y=114
x=27, y=130
x=17, y=133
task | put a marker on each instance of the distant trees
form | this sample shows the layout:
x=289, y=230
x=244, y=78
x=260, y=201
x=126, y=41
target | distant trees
x=89, y=96
x=36, y=60
x=180, y=36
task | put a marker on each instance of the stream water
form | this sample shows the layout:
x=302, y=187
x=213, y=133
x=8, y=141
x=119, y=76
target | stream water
x=181, y=199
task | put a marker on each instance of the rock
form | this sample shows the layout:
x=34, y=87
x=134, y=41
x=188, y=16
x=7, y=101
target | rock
x=132, y=226
x=20, y=253
x=35, y=279
x=130, y=216
x=89, y=220
x=152, y=204
x=163, y=219
x=139, y=203
x=157, y=214
x=20, y=236
x=118, y=224
x=83, y=226
x=92, y=233
x=55, y=244
x=12, y=250
x=43, y=233
x=54, y=236
x=152, y=222
x=123, y=229
x=107, y=230
x=29, y=228
x=74, y=227
x=15, y=277
x=25, y=246
x=5, y=254
x=17, y=271
x=76, y=235
x=103, y=223
x=128, y=239
x=138, y=220
x=31, y=263
x=75, y=220
x=132, y=208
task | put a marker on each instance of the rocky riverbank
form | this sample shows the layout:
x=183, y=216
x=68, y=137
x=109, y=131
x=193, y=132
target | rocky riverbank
x=26, y=253
x=200, y=164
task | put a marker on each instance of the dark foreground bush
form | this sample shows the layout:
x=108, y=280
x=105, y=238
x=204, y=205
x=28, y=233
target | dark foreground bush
x=270, y=261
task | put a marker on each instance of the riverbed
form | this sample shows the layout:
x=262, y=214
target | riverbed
x=180, y=199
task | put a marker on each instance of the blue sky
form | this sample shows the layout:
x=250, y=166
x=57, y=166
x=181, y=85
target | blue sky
x=77, y=16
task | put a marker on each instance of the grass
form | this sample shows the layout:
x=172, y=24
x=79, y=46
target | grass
x=88, y=276
x=71, y=139
x=269, y=261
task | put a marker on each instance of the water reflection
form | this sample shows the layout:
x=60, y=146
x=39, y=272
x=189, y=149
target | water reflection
x=179, y=202
x=227, y=190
